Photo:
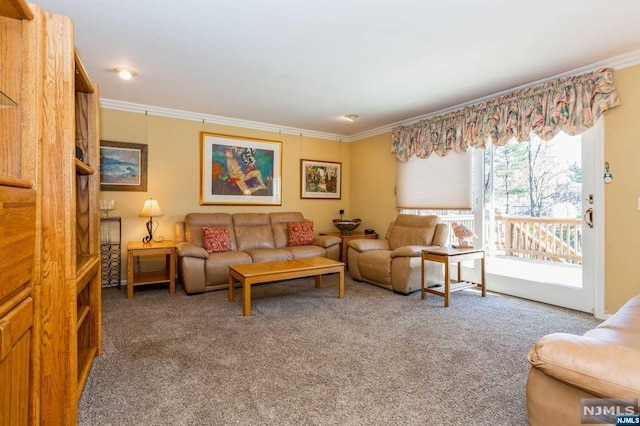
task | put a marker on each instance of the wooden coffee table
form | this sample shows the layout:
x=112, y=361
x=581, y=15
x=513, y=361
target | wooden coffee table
x=263, y=272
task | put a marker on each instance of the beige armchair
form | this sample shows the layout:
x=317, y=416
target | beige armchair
x=394, y=262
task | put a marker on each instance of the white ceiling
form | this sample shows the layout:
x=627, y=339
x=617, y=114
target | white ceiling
x=305, y=64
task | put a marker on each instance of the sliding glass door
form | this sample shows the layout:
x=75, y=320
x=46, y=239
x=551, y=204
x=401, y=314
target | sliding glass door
x=540, y=216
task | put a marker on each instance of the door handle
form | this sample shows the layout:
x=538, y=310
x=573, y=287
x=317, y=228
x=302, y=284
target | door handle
x=588, y=217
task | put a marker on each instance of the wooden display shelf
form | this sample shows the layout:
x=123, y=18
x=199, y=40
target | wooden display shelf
x=453, y=287
x=83, y=312
x=83, y=168
x=85, y=359
x=83, y=83
x=86, y=267
x=150, y=277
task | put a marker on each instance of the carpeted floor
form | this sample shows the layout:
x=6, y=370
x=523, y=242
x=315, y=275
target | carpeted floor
x=305, y=357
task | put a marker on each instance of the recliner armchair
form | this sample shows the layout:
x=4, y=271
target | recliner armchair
x=394, y=262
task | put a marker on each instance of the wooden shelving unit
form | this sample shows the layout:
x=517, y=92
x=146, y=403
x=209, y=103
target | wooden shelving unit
x=68, y=194
x=50, y=305
x=19, y=254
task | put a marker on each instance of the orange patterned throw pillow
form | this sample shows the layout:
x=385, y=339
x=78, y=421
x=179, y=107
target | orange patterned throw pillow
x=216, y=240
x=300, y=233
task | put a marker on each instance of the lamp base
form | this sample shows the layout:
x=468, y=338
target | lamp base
x=149, y=238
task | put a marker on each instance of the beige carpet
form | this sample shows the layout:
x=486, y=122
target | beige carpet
x=306, y=357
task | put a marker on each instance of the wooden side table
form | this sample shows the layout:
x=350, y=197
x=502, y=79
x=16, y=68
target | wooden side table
x=168, y=274
x=346, y=239
x=448, y=256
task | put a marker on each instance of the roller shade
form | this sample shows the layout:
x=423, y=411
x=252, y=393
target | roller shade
x=442, y=183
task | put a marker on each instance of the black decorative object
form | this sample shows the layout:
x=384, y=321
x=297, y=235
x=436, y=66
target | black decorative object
x=110, y=240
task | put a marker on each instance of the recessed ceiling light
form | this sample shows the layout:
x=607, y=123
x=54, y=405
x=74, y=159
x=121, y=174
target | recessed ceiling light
x=125, y=73
x=351, y=117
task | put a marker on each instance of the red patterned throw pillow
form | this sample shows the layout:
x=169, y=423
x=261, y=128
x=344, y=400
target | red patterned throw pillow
x=300, y=233
x=216, y=240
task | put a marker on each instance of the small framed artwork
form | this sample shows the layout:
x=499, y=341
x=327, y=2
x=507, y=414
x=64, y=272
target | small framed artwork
x=237, y=170
x=320, y=179
x=123, y=166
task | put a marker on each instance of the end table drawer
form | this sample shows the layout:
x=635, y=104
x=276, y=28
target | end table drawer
x=151, y=251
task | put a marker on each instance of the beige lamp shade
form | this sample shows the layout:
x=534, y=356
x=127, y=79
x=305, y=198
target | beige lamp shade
x=151, y=208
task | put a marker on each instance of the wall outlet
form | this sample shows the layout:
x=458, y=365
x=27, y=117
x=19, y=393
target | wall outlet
x=341, y=211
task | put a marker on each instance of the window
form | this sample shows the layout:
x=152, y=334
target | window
x=442, y=183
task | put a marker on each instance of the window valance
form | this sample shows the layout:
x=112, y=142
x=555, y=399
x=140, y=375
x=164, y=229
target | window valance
x=571, y=105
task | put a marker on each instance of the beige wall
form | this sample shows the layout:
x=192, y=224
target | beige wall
x=368, y=179
x=373, y=181
x=622, y=228
x=174, y=172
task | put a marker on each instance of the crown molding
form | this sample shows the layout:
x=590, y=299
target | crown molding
x=215, y=119
x=617, y=62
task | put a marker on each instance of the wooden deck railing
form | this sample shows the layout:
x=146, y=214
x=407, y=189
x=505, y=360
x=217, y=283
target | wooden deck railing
x=540, y=238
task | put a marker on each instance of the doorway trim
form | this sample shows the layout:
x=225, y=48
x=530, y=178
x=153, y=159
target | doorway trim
x=597, y=132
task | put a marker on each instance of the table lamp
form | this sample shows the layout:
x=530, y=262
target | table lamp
x=150, y=209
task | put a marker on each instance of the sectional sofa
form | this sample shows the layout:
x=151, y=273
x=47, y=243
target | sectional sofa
x=207, y=243
x=567, y=369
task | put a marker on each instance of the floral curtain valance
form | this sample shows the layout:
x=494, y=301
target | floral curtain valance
x=571, y=105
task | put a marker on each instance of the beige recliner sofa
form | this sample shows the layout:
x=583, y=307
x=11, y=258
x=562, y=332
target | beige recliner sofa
x=603, y=363
x=255, y=237
x=394, y=262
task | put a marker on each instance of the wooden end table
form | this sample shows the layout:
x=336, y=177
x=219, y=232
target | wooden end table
x=346, y=238
x=448, y=256
x=168, y=274
x=263, y=272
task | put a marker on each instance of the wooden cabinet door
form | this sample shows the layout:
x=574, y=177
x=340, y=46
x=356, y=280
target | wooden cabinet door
x=15, y=364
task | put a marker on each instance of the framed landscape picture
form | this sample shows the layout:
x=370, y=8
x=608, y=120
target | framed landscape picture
x=123, y=166
x=237, y=170
x=320, y=179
